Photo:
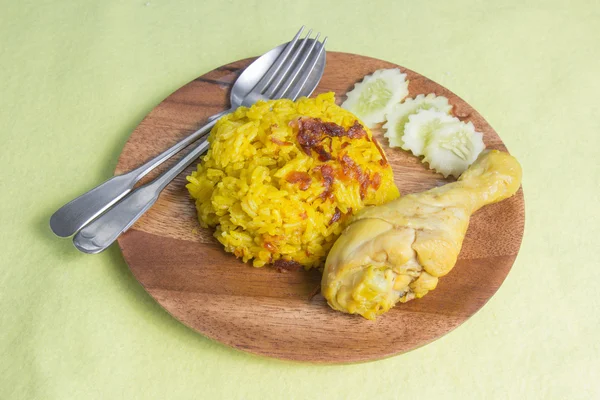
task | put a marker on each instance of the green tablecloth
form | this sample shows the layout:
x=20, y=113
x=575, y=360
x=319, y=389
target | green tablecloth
x=77, y=77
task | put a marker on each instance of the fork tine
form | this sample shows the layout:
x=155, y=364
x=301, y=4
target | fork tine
x=299, y=85
x=273, y=69
x=289, y=62
x=299, y=65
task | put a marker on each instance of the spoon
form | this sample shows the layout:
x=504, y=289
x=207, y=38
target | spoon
x=74, y=215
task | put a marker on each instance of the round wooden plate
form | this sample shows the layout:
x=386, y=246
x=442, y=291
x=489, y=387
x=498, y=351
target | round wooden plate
x=270, y=313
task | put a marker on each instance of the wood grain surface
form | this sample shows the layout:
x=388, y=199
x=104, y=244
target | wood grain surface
x=270, y=313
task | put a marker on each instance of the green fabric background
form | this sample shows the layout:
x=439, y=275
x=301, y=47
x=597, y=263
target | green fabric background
x=77, y=77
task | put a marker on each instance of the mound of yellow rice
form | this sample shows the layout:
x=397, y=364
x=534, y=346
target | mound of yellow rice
x=276, y=200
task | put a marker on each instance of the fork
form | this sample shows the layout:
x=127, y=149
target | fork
x=287, y=77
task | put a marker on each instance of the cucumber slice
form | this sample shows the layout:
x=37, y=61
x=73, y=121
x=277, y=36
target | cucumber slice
x=372, y=98
x=398, y=116
x=453, y=147
x=420, y=126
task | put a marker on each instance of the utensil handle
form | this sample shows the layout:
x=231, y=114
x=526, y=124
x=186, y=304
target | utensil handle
x=104, y=230
x=77, y=213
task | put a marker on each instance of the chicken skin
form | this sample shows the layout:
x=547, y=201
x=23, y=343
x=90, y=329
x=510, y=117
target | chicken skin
x=397, y=251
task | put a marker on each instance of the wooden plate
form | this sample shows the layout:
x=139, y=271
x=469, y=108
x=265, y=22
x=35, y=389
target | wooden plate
x=269, y=313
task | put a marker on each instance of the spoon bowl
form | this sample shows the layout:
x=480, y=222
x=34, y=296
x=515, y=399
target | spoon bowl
x=246, y=82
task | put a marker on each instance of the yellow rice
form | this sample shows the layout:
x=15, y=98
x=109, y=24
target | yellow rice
x=240, y=186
